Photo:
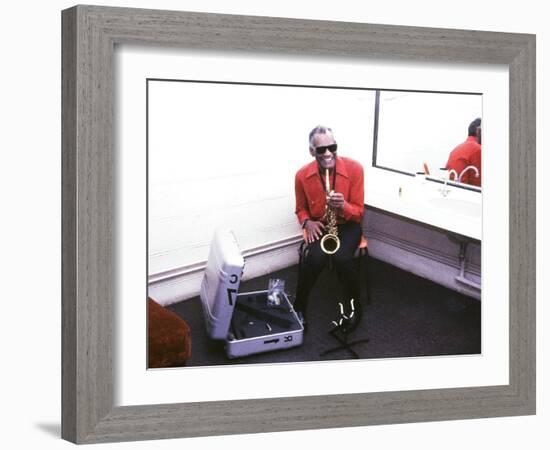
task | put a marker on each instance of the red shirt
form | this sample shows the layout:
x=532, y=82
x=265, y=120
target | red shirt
x=466, y=154
x=310, y=191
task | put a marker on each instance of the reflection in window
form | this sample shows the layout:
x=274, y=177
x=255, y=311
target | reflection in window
x=414, y=128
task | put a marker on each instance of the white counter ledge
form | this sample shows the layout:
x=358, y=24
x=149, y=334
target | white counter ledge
x=446, y=207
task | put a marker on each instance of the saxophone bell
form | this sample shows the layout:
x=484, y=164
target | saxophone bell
x=330, y=243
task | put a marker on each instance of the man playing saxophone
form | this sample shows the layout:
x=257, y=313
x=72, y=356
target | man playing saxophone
x=329, y=185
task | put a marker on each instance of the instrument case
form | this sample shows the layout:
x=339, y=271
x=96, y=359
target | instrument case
x=245, y=321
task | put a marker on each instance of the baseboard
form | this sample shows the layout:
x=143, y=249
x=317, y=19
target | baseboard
x=184, y=283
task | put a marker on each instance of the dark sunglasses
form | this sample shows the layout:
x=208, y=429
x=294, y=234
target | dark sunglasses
x=323, y=148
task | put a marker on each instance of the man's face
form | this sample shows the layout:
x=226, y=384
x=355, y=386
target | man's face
x=327, y=159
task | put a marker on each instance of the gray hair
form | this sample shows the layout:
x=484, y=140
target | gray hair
x=319, y=129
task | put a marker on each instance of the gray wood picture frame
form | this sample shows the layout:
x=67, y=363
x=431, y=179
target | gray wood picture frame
x=89, y=37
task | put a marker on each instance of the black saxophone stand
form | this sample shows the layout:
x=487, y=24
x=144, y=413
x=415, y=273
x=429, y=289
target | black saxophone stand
x=343, y=327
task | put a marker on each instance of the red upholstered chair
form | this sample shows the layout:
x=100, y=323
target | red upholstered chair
x=169, y=337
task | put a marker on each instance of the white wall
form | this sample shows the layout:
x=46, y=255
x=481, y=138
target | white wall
x=226, y=155
x=30, y=232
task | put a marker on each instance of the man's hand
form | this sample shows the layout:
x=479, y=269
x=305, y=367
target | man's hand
x=314, y=230
x=336, y=200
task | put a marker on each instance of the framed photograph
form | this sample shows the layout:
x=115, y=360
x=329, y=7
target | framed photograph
x=184, y=135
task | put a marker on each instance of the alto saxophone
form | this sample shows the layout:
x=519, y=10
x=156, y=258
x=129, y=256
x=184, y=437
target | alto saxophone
x=330, y=243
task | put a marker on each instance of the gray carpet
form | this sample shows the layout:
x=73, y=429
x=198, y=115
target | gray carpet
x=408, y=316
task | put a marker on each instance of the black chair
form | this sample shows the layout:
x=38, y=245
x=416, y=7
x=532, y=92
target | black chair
x=362, y=262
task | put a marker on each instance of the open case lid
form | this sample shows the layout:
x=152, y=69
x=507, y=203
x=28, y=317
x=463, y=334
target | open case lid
x=220, y=283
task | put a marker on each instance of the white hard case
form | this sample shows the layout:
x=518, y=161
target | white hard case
x=243, y=320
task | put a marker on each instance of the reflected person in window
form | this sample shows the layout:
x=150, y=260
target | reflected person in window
x=468, y=154
x=346, y=197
